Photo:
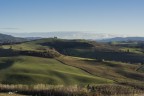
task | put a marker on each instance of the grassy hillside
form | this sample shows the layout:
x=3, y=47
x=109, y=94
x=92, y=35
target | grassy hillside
x=69, y=62
x=34, y=70
x=81, y=48
x=141, y=69
x=60, y=44
x=116, y=71
x=111, y=68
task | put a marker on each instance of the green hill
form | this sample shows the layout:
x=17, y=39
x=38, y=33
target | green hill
x=72, y=62
x=81, y=48
x=36, y=70
x=117, y=71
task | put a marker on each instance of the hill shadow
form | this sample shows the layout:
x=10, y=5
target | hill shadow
x=6, y=64
x=8, y=53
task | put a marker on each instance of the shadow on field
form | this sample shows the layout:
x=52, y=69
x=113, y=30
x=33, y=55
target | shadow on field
x=6, y=64
x=136, y=76
x=7, y=53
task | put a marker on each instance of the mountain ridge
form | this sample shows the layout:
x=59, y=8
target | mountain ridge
x=66, y=35
x=123, y=39
x=4, y=38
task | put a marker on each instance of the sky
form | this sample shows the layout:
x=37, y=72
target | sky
x=97, y=16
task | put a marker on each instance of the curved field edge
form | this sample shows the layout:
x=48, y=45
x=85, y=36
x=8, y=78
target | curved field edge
x=117, y=71
x=35, y=70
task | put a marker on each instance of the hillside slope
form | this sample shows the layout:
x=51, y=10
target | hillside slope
x=97, y=62
x=117, y=71
x=36, y=70
x=7, y=39
x=81, y=48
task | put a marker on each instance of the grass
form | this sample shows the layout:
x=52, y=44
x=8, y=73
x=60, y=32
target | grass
x=141, y=69
x=132, y=50
x=26, y=46
x=34, y=70
x=101, y=65
x=113, y=70
x=81, y=48
x=10, y=94
x=74, y=90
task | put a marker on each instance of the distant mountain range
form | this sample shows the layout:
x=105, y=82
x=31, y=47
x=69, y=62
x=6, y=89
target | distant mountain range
x=66, y=35
x=20, y=37
x=10, y=39
x=33, y=38
x=123, y=39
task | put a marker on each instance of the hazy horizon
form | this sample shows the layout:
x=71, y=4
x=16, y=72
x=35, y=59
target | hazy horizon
x=69, y=35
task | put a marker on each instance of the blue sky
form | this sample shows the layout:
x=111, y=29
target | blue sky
x=99, y=16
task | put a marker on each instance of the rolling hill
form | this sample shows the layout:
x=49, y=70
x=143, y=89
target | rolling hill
x=93, y=67
x=74, y=62
x=36, y=70
x=82, y=48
